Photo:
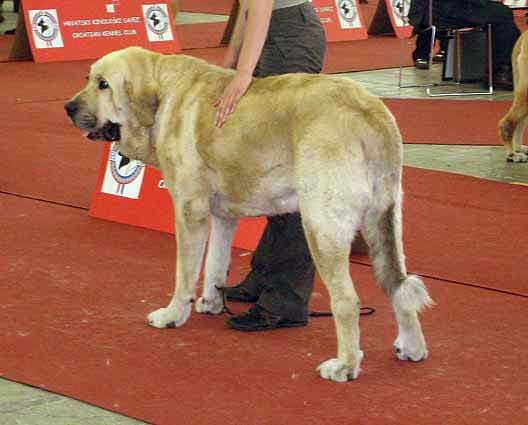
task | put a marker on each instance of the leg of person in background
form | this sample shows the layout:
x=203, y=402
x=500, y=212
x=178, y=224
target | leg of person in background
x=504, y=35
x=420, y=54
x=1, y=15
x=423, y=45
x=441, y=54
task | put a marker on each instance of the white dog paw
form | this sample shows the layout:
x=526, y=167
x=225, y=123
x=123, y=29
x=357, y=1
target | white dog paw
x=338, y=371
x=517, y=157
x=170, y=317
x=407, y=352
x=213, y=306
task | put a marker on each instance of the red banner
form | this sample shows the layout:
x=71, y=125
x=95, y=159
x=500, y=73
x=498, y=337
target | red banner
x=341, y=19
x=398, y=11
x=128, y=192
x=64, y=30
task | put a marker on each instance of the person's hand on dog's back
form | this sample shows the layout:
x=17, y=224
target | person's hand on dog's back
x=243, y=53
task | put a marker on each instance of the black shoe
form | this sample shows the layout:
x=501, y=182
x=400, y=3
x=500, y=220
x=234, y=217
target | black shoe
x=239, y=293
x=247, y=291
x=439, y=57
x=421, y=63
x=258, y=319
x=503, y=79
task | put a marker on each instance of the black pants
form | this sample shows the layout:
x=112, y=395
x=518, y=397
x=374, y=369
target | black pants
x=504, y=31
x=282, y=268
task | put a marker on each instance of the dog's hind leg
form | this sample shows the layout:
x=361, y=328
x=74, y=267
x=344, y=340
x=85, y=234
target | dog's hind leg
x=382, y=230
x=330, y=222
x=330, y=248
x=216, y=265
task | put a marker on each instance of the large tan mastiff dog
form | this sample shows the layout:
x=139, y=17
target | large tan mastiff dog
x=513, y=124
x=316, y=144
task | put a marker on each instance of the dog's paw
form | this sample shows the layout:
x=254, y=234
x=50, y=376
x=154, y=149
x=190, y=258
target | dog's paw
x=170, y=317
x=410, y=352
x=210, y=306
x=338, y=371
x=517, y=157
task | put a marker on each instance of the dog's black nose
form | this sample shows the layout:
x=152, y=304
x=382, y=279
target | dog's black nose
x=71, y=108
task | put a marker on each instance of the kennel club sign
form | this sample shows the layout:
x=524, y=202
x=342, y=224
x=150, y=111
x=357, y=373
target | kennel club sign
x=61, y=30
x=129, y=192
x=341, y=19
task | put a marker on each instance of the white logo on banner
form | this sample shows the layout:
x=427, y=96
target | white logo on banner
x=157, y=22
x=123, y=176
x=400, y=9
x=348, y=16
x=45, y=28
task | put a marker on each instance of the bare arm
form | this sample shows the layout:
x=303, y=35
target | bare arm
x=235, y=44
x=248, y=38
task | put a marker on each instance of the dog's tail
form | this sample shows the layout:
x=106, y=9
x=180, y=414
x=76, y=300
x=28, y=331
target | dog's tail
x=382, y=230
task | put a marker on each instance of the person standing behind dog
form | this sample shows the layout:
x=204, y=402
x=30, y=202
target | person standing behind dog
x=273, y=37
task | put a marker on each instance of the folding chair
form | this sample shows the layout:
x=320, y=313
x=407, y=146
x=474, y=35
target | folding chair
x=431, y=85
x=457, y=33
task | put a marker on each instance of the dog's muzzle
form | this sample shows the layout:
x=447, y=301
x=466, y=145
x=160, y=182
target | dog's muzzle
x=110, y=132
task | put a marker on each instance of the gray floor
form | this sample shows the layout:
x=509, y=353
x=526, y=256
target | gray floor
x=23, y=405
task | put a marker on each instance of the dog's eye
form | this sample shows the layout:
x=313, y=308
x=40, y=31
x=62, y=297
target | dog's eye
x=103, y=84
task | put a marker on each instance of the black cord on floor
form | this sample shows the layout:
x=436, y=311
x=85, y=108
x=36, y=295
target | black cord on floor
x=364, y=311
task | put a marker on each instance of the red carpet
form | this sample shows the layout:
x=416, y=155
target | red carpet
x=465, y=229
x=76, y=291
x=448, y=122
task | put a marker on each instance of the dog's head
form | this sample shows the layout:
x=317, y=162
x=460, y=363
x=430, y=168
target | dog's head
x=120, y=101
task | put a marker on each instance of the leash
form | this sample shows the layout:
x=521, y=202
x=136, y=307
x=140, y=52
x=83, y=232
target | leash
x=363, y=311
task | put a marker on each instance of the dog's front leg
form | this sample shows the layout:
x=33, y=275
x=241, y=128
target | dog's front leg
x=191, y=235
x=216, y=265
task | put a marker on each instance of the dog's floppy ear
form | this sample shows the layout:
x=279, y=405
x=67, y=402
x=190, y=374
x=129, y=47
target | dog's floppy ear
x=143, y=100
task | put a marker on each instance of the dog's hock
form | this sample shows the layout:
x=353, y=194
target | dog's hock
x=170, y=317
x=506, y=129
x=339, y=371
